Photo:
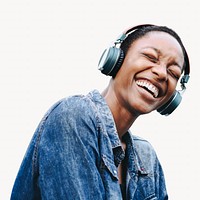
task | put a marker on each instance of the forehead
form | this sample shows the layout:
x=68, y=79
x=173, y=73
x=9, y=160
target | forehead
x=159, y=40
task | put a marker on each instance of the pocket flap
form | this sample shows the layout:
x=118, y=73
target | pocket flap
x=109, y=164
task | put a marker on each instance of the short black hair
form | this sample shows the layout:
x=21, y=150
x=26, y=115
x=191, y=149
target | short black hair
x=143, y=30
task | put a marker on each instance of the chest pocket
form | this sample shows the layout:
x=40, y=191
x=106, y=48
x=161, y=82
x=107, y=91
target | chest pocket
x=144, y=188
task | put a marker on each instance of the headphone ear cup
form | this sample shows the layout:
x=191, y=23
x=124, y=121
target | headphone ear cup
x=171, y=105
x=111, y=61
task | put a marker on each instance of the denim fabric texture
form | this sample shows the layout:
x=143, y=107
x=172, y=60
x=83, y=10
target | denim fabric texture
x=75, y=152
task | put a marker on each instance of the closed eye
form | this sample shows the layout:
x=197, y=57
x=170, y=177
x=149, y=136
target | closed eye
x=174, y=70
x=151, y=58
x=174, y=73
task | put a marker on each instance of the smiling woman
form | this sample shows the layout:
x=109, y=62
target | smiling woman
x=169, y=66
x=83, y=147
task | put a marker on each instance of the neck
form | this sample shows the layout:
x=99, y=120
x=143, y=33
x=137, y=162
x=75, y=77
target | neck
x=122, y=116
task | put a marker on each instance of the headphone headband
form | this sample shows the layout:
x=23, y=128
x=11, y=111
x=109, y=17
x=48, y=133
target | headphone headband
x=128, y=31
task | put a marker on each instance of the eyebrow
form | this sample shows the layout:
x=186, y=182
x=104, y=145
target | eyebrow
x=155, y=49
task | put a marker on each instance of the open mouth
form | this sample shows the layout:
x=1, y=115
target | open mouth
x=148, y=86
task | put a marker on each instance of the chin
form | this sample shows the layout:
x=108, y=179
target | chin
x=141, y=111
x=143, y=108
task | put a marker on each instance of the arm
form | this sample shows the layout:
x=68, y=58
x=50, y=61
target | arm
x=62, y=160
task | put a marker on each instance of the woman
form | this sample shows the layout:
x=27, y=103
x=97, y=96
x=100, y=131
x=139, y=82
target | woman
x=83, y=149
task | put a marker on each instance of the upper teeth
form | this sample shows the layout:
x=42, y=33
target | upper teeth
x=149, y=86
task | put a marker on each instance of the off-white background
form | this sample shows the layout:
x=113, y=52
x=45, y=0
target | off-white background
x=50, y=49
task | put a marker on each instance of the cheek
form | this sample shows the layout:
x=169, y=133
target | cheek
x=172, y=85
x=128, y=70
x=170, y=91
x=125, y=74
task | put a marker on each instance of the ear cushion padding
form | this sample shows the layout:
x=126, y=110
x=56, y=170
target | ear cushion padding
x=171, y=105
x=118, y=64
x=111, y=58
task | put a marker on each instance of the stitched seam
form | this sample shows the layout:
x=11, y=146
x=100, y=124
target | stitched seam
x=36, y=147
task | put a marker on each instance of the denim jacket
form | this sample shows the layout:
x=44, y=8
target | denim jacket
x=75, y=152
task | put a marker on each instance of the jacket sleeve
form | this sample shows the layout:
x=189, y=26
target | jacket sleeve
x=25, y=185
x=62, y=163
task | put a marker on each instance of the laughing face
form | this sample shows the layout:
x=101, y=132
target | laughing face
x=149, y=73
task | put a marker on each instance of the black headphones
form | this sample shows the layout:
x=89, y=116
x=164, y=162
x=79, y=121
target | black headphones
x=112, y=59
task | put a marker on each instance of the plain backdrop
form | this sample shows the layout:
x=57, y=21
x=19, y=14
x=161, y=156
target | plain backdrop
x=50, y=50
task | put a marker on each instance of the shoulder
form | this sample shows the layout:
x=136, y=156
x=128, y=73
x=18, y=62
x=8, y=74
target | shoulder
x=71, y=117
x=142, y=145
x=145, y=152
x=71, y=112
x=77, y=106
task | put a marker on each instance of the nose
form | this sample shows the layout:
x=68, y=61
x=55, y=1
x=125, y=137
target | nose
x=160, y=71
